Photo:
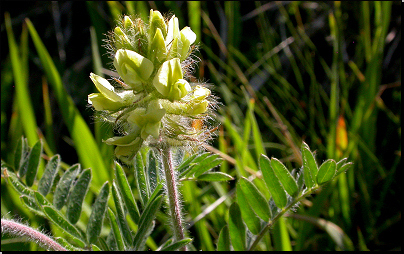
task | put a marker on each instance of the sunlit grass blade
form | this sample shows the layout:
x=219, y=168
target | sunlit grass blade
x=96, y=219
x=20, y=79
x=79, y=131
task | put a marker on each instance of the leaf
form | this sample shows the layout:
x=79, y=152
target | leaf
x=62, y=188
x=343, y=168
x=115, y=230
x=20, y=187
x=41, y=200
x=152, y=170
x=256, y=200
x=237, y=228
x=250, y=218
x=146, y=223
x=223, y=242
x=215, y=176
x=189, y=164
x=205, y=165
x=76, y=196
x=59, y=220
x=309, y=166
x=126, y=193
x=20, y=153
x=33, y=163
x=284, y=176
x=142, y=183
x=31, y=205
x=121, y=218
x=48, y=177
x=96, y=219
x=274, y=186
x=326, y=171
x=177, y=245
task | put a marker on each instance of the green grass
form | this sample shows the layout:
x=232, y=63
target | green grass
x=284, y=72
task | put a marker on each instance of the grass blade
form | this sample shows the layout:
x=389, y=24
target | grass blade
x=79, y=131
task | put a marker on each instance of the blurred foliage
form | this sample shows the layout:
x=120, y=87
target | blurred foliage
x=327, y=73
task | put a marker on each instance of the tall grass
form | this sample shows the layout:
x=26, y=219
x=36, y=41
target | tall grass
x=327, y=73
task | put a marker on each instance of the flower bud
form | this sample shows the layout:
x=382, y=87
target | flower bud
x=127, y=22
x=157, y=47
x=168, y=80
x=187, y=38
x=148, y=119
x=133, y=68
x=156, y=21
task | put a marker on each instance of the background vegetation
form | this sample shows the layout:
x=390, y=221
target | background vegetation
x=327, y=73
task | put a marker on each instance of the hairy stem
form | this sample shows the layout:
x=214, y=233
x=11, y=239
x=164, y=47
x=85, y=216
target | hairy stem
x=173, y=195
x=16, y=228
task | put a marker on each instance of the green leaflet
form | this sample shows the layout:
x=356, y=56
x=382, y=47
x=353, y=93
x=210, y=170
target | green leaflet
x=187, y=167
x=256, y=200
x=31, y=205
x=96, y=219
x=146, y=222
x=63, y=187
x=223, y=243
x=237, y=228
x=121, y=218
x=115, y=229
x=126, y=193
x=250, y=218
x=18, y=185
x=310, y=168
x=76, y=197
x=326, y=171
x=274, y=186
x=141, y=177
x=215, y=176
x=48, y=177
x=177, y=245
x=59, y=220
x=286, y=179
x=33, y=163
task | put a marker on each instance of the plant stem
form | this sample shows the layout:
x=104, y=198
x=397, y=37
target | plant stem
x=16, y=228
x=279, y=215
x=173, y=195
